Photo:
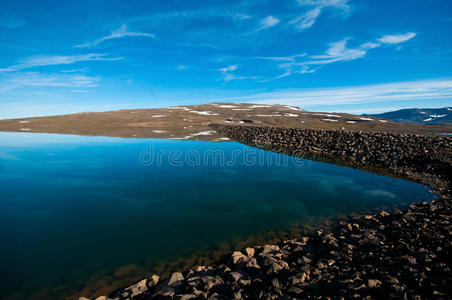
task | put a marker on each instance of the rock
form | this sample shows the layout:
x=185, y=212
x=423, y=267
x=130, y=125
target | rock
x=244, y=282
x=384, y=213
x=306, y=260
x=243, y=261
x=237, y=257
x=186, y=297
x=171, y=286
x=199, y=268
x=153, y=281
x=269, y=250
x=165, y=293
x=373, y=283
x=276, y=284
x=294, y=290
x=138, y=288
x=210, y=281
x=249, y=251
x=299, y=278
x=237, y=295
x=235, y=276
x=176, y=278
x=277, y=267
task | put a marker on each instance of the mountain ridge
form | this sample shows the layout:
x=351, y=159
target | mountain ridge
x=418, y=115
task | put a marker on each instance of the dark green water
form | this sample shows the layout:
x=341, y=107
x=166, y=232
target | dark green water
x=73, y=207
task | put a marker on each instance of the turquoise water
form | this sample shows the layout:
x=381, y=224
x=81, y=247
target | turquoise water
x=73, y=206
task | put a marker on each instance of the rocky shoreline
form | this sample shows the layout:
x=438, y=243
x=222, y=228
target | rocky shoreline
x=399, y=254
x=425, y=159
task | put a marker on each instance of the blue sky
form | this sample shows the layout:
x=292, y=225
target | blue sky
x=324, y=55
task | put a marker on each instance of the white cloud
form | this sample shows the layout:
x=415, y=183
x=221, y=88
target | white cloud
x=397, y=38
x=339, y=51
x=343, y=4
x=116, y=34
x=282, y=58
x=241, y=17
x=310, y=17
x=289, y=70
x=75, y=70
x=10, y=81
x=38, y=61
x=398, y=92
x=288, y=66
x=336, y=52
x=228, y=69
x=306, y=70
x=287, y=73
x=268, y=22
x=306, y=20
x=229, y=77
x=182, y=67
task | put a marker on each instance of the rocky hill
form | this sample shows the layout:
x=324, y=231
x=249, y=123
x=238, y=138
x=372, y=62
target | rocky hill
x=192, y=122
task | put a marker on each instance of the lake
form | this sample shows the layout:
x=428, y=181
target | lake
x=95, y=213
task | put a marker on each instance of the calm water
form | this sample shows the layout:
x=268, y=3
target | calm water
x=73, y=207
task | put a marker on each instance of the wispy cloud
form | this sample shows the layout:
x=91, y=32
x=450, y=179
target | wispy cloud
x=438, y=89
x=339, y=51
x=240, y=17
x=228, y=69
x=37, y=61
x=116, y=34
x=308, y=19
x=397, y=38
x=291, y=69
x=10, y=81
x=229, y=76
x=342, y=4
x=268, y=22
x=75, y=70
x=336, y=52
x=283, y=58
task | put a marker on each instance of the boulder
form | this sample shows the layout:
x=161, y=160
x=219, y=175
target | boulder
x=138, y=288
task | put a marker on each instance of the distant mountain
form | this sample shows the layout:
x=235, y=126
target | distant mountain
x=419, y=115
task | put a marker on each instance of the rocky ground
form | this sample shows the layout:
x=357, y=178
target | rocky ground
x=397, y=254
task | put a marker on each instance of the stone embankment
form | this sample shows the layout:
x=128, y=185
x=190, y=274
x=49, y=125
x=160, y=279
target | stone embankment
x=398, y=255
x=426, y=159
